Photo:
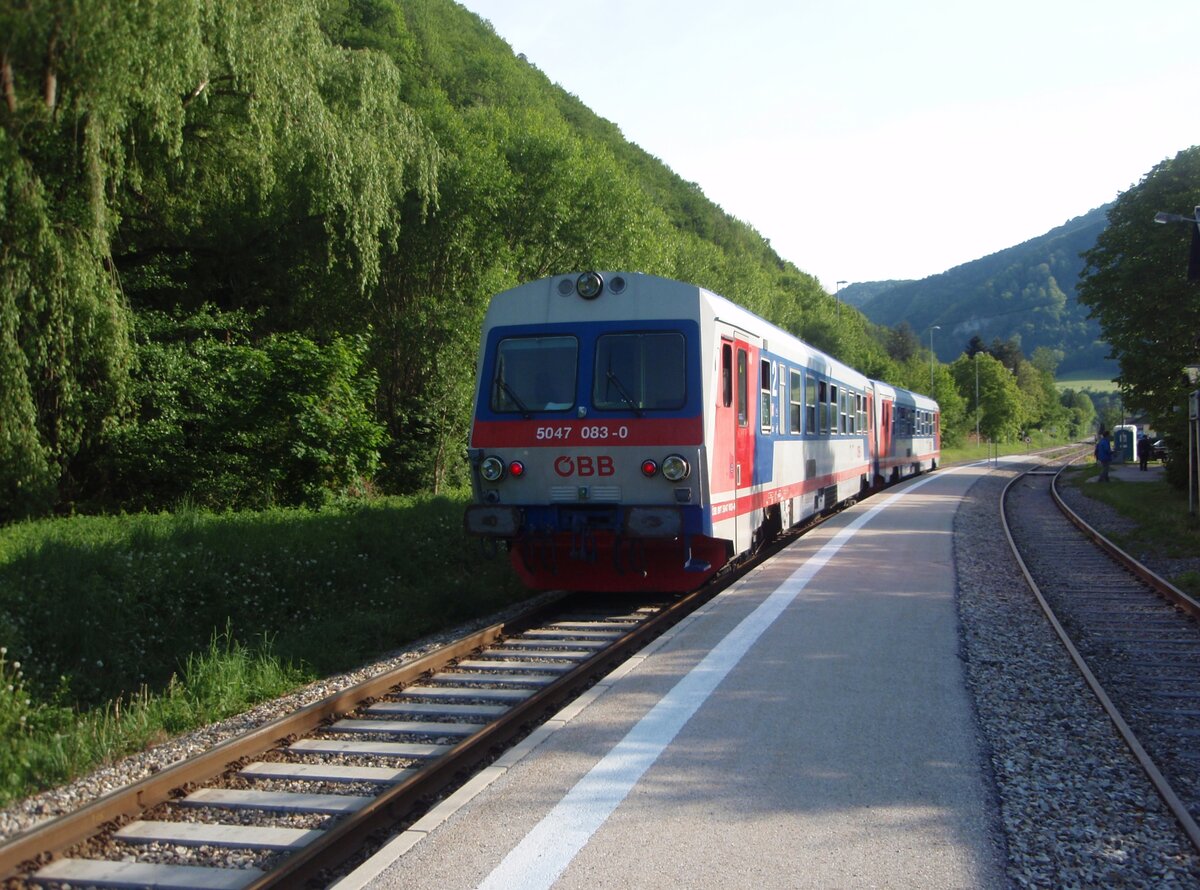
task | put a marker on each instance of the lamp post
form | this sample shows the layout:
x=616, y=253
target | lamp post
x=977, y=398
x=1193, y=375
x=837, y=296
x=932, y=356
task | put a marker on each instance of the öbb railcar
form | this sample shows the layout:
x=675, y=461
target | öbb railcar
x=637, y=433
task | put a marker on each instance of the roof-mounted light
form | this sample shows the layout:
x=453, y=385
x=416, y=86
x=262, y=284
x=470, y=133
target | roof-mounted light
x=589, y=285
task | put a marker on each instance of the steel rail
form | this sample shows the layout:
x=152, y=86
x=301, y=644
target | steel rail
x=36, y=845
x=1157, y=779
x=403, y=800
x=1164, y=587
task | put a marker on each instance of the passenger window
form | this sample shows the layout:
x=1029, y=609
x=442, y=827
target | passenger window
x=823, y=407
x=534, y=374
x=797, y=402
x=743, y=388
x=640, y=371
x=726, y=375
x=833, y=409
x=764, y=395
x=810, y=405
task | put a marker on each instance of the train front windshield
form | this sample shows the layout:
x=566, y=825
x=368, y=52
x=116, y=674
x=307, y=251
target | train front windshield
x=640, y=371
x=631, y=371
x=535, y=374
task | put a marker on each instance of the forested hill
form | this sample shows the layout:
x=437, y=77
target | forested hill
x=245, y=250
x=1026, y=292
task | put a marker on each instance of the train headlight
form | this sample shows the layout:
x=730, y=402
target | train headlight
x=649, y=468
x=492, y=469
x=589, y=285
x=676, y=468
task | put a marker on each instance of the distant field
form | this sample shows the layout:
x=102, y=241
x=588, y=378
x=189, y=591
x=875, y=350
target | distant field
x=1085, y=380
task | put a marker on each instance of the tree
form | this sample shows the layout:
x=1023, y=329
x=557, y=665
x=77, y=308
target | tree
x=999, y=405
x=171, y=154
x=1081, y=413
x=1135, y=284
x=903, y=342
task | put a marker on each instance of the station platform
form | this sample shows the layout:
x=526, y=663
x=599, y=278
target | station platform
x=1131, y=471
x=809, y=727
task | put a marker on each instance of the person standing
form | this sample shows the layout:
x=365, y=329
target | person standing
x=1143, y=450
x=1103, y=452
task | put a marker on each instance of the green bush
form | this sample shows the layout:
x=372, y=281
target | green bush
x=223, y=422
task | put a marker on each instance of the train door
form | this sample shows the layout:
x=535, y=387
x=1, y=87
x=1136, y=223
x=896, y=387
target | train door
x=885, y=439
x=733, y=441
x=872, y=432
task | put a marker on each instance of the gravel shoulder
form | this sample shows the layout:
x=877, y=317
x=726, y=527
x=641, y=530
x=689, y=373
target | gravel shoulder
x=1075, y=809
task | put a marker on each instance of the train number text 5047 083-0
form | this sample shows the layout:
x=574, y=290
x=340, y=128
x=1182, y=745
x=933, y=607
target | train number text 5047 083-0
x=592, y=432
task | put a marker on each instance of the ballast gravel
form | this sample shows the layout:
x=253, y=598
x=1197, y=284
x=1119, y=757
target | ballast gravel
x=58, y=801
x=1076, y=809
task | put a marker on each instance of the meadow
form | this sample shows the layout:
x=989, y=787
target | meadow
x=116, y=631
x=1085, y=381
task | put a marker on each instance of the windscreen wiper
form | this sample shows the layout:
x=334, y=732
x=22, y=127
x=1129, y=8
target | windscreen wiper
x=508, y=390
x=615, y=381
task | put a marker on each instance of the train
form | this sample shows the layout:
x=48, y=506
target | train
x=633, y=433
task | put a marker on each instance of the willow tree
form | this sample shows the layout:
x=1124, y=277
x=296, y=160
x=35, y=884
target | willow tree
x=143, y=140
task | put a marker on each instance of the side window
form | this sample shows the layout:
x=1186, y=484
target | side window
x=862, y=414
x=833, y=409
x=810, y=405
x=743, y=388
x=823, y=407
x=726, y=374
x=764, y=395
x=796, y=401
x=783, y=399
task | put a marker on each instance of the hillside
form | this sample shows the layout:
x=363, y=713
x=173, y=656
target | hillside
x=1026, y=292
x=324, y=222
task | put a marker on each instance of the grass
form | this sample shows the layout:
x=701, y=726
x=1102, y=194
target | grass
x=1085, y=380
x=1159, y=512
x=47, y=743
x=118, y=631
x=971, y=451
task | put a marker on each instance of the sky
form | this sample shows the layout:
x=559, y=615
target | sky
x=882, y=139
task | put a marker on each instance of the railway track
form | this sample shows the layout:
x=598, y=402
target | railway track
x=1133, y=635
x=290, y=803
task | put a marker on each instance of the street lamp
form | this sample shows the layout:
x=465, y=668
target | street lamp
x=977, y=398
x=932, y=355
x=837, y=296
x=1193, y=269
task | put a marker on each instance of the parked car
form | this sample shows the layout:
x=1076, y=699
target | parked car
x=1160, y=451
